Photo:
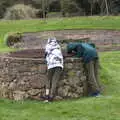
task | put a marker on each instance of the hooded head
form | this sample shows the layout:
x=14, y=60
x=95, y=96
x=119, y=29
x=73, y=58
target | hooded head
x=52, y=44
x=52, y=41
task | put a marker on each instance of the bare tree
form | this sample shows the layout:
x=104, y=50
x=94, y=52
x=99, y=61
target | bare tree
x=106, y=4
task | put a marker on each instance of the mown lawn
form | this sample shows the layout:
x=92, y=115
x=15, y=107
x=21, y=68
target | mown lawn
x=106, y=107
x=97, y=22
x=110, y=72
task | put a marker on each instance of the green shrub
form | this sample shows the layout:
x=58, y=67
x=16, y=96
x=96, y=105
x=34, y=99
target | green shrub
x=11, y=38
x=20, y=11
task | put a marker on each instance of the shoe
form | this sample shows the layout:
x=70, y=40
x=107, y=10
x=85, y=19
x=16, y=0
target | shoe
x=45, y=98
x=50, y=99
x=46, y=101
x=95, y=94
x=99, y=96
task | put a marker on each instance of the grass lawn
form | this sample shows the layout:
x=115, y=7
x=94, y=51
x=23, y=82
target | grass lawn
x=106, y=107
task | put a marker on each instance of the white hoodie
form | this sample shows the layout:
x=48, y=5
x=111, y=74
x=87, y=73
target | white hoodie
x=53, y=52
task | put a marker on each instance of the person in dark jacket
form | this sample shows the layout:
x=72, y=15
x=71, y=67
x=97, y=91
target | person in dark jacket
x=90, y=58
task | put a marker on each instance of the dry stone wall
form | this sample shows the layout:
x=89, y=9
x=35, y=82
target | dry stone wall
x=25, y=78
x=105, y=40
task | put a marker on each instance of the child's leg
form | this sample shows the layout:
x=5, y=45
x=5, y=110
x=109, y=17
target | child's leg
x=55, y=79
x=49, y=81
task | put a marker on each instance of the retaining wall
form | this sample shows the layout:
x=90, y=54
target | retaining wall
x=105, y=40
x=25, y=78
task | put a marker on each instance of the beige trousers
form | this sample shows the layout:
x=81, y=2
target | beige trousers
x=92, y=71
x=54, y=75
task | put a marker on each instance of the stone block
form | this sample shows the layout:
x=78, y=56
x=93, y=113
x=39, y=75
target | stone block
x=19, y=95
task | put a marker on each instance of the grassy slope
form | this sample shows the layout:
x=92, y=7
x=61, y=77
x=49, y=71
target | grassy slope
x=110, y=73
x=84, y=109
x=104, y=108
x=58, y=24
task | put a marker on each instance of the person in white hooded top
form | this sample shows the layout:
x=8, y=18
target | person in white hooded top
x=54, y=59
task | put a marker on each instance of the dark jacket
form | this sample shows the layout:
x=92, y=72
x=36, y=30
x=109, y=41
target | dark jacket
x=84, y=50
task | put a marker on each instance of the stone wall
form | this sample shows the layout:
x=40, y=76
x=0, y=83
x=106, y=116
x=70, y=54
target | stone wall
x=105, y=40
x=24, y=78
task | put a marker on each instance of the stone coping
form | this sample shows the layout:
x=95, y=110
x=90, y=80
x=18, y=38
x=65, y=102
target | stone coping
x=39, y=59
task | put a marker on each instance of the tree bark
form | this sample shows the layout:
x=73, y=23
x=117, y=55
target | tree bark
x=106, y=4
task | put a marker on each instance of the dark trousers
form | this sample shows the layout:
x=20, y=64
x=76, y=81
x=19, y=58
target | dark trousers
x=92, y=69
x=53, y=78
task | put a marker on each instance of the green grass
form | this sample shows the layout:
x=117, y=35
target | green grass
x=110, y=73
x=103, y=108
x=96, y=22
x=84, y=109
x=106, y=107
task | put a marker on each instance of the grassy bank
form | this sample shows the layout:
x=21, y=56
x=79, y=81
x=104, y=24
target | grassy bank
x=110, y=72
x=106, y=107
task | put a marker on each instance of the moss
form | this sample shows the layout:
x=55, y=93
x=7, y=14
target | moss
x=11, y=38
x=71, y=73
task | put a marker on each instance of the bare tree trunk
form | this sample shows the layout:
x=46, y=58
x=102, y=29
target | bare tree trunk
x=48, y=5
x=102, y=7
x=43, y=8
x=91, y=8
x=106, y=4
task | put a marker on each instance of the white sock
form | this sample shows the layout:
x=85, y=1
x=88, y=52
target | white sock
x=47, y=91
